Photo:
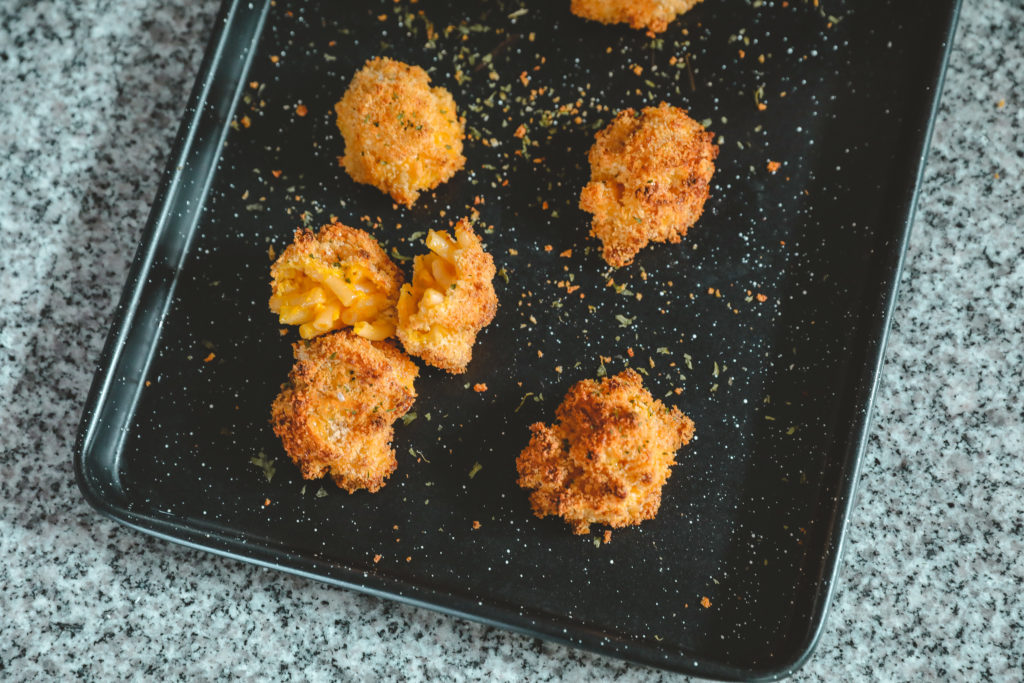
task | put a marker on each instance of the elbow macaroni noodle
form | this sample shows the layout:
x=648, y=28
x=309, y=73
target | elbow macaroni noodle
x=434, y=275
x=321, y=298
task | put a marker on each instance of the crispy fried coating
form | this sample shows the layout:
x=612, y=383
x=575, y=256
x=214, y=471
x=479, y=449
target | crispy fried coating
x=652, y=15
x=650, y=174
x=336, y=278
x=450, y=300
x=608, y=456
x=335, y=414
x=401, y=135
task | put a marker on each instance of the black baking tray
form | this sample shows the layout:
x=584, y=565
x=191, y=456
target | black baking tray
x=733, y=578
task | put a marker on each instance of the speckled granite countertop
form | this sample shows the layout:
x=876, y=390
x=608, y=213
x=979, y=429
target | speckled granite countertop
x=933, y=581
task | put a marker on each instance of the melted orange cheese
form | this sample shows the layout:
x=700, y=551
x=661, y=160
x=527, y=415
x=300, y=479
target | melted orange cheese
x=320, y=298
x=433, y=276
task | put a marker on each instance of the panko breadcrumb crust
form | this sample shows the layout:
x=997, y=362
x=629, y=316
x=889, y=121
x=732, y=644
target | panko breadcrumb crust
x=401, y=135
x=652, y=15
x=335, y=414
x=650, y=174
x=466, y=309
x=337, y=246
x=608, y=456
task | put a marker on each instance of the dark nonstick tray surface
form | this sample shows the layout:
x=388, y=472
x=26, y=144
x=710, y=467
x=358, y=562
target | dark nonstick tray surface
x=733, y=577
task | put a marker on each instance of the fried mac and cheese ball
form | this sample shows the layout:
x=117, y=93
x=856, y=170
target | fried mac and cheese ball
x=335, y=414
x=650, y=174
x=401, y=135
x=338, y=277
x=608, y=456
x=652, y=15
x=450, y=300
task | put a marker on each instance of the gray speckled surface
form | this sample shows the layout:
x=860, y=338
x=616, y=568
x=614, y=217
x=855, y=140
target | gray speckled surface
x=932, y=580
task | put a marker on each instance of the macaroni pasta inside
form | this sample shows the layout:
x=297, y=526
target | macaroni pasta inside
x=433, y=276
x=320, y=298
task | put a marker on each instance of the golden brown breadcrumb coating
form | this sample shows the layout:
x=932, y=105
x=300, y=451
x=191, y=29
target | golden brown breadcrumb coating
x=401, y=135
x=336, y=278
x=335, y=414
x=650, y=174
x=652, y=15
x=450, y=300
x=608, y=456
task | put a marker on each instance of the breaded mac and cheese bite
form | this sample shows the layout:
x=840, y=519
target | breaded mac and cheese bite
x=335, y=415
x=401, y=135
x=651, y=15
x=336, y=278
x=608, y=456
x=650, y=174
x=451, y=298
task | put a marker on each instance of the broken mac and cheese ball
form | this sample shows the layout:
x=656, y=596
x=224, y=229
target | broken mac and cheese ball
x=450, y=300
x=336, y=278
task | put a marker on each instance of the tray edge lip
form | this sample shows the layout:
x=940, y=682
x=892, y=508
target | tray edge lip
x=678, y=661
x=142, y=261
x=849, y=491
